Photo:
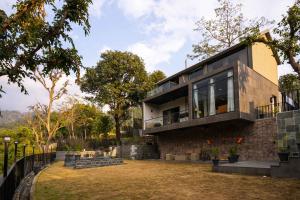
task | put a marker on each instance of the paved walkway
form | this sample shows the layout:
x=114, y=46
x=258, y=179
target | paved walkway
x=252, y=164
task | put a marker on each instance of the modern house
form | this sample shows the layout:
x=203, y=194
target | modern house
x=213, y=103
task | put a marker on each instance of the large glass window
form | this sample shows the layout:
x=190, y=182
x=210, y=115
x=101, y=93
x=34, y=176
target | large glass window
x=214, y=95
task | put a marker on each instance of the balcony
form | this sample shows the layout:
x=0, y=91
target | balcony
x=290, y=101
x=173, y=118
x=162, y=88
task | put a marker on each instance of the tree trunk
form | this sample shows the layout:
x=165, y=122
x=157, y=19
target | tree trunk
x=118, y=128
x=72, y=130
x=84, y=133
x=295, y=65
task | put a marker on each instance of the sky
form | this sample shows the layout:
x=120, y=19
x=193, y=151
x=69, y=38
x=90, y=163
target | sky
x=159, y=31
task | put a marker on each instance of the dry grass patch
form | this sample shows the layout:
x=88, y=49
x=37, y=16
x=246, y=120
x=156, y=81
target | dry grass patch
x=158, y=180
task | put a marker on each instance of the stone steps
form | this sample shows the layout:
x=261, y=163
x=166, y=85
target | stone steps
x=290, y=169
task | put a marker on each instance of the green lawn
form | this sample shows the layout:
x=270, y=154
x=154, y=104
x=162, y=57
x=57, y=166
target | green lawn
x=158, y=180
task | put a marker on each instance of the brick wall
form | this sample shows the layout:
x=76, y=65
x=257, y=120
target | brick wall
x=258, y=139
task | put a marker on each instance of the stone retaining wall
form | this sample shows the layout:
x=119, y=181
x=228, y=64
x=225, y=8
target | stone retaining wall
x=138, y=152
x=23, y=190
x=258, y=140
x=289, y=130
x=78, y=162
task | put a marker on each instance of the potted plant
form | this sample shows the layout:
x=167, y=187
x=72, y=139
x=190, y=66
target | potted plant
x=233, y=156
x=283, y=154
x=215, y=154
x=283, y=150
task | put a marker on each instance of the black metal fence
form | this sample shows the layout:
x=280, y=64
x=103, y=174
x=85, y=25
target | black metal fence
x=21, y=169
x=290, y=101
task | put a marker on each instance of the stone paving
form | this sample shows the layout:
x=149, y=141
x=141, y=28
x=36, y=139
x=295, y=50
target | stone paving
x=254, y=164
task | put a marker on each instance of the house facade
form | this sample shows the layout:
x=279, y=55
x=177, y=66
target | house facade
x=213, y=103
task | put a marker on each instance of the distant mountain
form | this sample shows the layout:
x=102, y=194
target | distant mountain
x=10, y=118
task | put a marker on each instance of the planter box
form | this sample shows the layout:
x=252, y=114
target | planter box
x=181, y=157
x=195, y=156
x=169, y=157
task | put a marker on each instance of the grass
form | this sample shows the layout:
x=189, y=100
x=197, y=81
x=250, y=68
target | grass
x=158, y=180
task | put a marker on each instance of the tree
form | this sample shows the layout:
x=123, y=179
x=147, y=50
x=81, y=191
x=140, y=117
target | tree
x=156, y=76
x=287, y=37
x=70, y=115
x=44, y=124
x=289, y=82
x=104, y=125
x=118, y=80
x=86, y=116
x=28, y=39
x=224, y=30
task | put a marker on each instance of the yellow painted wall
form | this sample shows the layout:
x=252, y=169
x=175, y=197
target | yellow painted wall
x=264, y=62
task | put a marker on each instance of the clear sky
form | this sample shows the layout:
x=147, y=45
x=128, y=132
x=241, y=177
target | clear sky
x=160, y=31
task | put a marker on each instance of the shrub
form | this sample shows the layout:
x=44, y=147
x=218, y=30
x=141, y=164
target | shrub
x=215, y=152
x=233, y=150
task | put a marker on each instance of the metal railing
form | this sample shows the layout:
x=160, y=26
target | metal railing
x=290, y=101
x=162, y=88
x=20, y=169
x=269, y=111
x=176, y=117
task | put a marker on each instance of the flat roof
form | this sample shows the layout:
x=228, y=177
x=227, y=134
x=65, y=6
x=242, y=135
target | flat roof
x=218, y=56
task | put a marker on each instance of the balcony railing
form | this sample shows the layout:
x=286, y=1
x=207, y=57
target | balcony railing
x=161, y=88
x=269, y=111
x=290, y=101
x=173, y=118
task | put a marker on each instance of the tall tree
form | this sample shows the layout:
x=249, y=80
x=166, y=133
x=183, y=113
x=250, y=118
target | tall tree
x=289, y=82
x=47, y=122
x=104, y=125
x=86, y=116
x=70, y=115
x=224, y=30
x=287, y=37
x=29, y=39
x=118, y=80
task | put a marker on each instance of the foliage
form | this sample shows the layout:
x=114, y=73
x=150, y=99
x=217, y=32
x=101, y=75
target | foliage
x=88, y=115
x=287, y=37
x=154, y=77
x=233, y=150
x=289, y=82
x=132, y=140
x=215, y=152
x=118, y=80
x=78, y=118
x=105, y=124
x=224, y=30
x=30, y=38
x=21, y=134
x=283, y=145
x=283, y=150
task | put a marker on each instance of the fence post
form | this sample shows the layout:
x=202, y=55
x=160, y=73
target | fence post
x=16, y=151
x=33, y=156
x=5, y=164
x=43, y=154
x=24, y=150
x=24, y=158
